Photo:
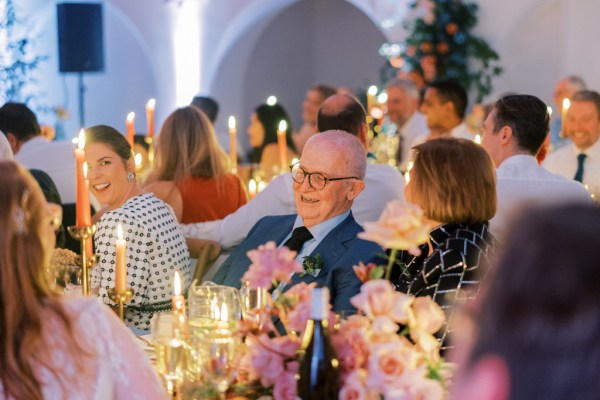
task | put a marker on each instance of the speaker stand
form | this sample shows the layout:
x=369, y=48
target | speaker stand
x=81, y=100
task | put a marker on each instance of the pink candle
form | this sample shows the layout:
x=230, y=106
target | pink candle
x=83, y=216
x=282, y=144
x=120, y=264
x=150, y=117
x=232, y=143
x=130, y=128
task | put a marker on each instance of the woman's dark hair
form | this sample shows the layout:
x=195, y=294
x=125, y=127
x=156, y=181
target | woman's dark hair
x=112, y=138
x=270, y=117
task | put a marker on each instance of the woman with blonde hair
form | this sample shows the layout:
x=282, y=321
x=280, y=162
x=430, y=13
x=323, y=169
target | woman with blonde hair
x=55, y=347
x=191, y=170
x=454, y=182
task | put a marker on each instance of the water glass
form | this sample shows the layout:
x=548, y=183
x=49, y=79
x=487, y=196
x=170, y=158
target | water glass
x=168, y=335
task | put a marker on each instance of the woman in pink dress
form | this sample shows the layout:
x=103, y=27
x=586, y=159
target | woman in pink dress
x=56, y=347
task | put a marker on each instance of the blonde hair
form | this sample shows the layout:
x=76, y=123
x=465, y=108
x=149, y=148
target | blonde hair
x=454, y=181
x=26, y=299
x=187, y=146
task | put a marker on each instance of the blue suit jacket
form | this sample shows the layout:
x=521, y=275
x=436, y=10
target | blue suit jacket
x=339, y=250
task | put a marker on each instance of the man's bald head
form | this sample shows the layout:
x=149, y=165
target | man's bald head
x=343, y=113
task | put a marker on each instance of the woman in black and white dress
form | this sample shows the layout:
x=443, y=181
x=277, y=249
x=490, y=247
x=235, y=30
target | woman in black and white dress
x=155, y=245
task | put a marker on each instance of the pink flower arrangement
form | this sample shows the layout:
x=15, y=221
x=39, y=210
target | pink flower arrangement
x=270, y=264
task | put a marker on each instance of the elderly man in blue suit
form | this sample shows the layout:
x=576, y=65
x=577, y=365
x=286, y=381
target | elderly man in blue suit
x=327, y=179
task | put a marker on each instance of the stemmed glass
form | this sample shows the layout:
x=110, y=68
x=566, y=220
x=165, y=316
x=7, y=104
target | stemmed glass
x=219, y=352
x=169, y=344
x=256, y=304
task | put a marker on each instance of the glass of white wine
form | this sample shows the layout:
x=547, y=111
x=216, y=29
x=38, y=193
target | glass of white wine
x=219, y=353
x=170, y=347
x=255, y=306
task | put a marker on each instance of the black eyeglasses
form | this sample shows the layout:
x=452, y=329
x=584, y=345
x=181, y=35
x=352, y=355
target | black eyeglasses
x=316, y=180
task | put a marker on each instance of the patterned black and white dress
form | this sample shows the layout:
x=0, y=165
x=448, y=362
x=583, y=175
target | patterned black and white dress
x=155, y=249
x=459, y=261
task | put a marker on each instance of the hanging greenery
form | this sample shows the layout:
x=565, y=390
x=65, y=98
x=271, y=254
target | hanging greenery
x=440, y=45
x=17, y=60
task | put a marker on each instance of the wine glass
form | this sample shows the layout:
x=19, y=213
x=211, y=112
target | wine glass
x=219, y=352
x=256, y=304
x=209, y=303
x=169, y=345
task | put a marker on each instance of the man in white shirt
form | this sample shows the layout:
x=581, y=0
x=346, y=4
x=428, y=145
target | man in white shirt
x=564, y=89
x=403, y=111
x=382, y=183
x=580, y=160
x=444, y=106
x=512, y=134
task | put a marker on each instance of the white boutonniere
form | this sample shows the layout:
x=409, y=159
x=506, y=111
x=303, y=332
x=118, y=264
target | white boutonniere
x=311, y=265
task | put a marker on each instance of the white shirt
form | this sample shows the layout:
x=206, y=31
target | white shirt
x=563, y=162
x=382, y=185
x=415, y=126
x=522, y=183
x=6, y=153
x=57, y=159
x=462, y=132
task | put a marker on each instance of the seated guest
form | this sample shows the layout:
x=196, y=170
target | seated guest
x=56, y=347
x=314, y=98
x=262, y=132
x=512, y=134
x=155, y=246
x=327, y=179
x=580, y=160
x=453, y=181
x=190, y=172
x=382, y=182
x=564, y=89
x=208, y=106
x=534, y=334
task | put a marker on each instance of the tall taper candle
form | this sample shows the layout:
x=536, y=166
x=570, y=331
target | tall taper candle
x=282, y=144
x=82, y=206
x=150, y=105
x=130, y=128
x=120, y=262
x=232, y=143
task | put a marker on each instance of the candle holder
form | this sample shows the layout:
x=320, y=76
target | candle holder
x=83, y=233
x=120, y=299
x=150, y=142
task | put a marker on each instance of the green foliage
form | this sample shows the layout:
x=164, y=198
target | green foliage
x=441, y=45
x=16, y=60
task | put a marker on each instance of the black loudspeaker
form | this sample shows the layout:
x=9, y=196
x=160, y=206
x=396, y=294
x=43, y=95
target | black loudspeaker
x=80, y=38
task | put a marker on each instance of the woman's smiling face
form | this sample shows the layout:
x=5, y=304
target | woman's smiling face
x=107, y=173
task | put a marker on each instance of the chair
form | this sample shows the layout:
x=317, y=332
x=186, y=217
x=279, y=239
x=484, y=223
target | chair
x=206, y=252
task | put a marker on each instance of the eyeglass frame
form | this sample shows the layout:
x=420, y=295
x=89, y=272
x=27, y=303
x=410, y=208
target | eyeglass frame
x=309, y=174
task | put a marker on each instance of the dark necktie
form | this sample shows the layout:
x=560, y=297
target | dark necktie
x=579, y=174
x=299, y=236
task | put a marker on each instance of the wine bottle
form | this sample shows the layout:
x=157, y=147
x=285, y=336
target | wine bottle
x=319, y=367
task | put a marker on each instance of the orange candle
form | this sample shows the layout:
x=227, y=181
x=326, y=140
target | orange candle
x=282, y=144
x=120, y=264
x=371, y=92
x=252, y=188
x=150, y=105
x=178, y=299
x=130, y=128
x=83, y=215
x=232, y=143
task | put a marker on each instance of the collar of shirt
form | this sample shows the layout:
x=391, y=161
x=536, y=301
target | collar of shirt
x=591, y=152
x=319, y=232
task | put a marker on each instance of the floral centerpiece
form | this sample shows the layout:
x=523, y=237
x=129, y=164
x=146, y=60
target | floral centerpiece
x=386, y=350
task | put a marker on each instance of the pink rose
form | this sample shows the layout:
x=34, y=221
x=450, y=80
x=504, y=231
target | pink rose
x=400, y=226
x=354, y=386
x=387, y=365
x=363, y=271
x=352, y=349
x=285, y=387
x=268, y=356
x=378, y=298
x=270, y=263
x=426, y=314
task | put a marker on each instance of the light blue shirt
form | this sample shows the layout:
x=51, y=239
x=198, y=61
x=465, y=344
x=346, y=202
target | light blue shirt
x=318, y=231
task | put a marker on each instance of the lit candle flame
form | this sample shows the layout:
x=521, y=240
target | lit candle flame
x=549, y=111
x=372, y=90
x=282, y=126
x=478, y=139
x=382, y=98
x=252, y=187
x=81, y=140
x=261, y=186
x=131, y=116
x=176, y=284
x=138, y=159
x=295, y=160
x=231, y=122
x=151, y=104
x=119, y=232
x=566, y=103
x=271, y=100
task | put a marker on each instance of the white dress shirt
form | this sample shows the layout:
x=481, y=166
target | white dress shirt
x=522, y=183
x=564, y=162
x=382, y=185
x=6, y=153
x=415, y=126
x=462, y=132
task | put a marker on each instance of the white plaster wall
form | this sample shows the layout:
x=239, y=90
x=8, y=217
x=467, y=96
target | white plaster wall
x=539, y=42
